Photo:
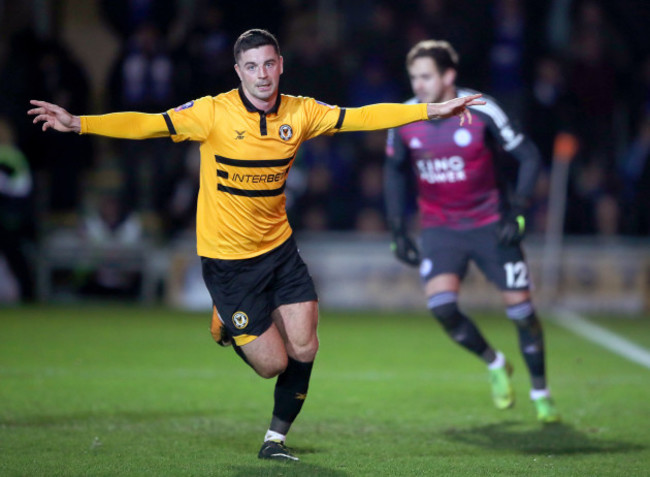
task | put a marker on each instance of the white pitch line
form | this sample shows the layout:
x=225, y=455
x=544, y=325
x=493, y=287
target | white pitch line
x=603, y=337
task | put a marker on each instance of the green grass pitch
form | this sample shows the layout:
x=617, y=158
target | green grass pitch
x=114, y=390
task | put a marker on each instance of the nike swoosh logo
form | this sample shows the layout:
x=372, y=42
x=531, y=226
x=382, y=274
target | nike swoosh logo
x=286, y=456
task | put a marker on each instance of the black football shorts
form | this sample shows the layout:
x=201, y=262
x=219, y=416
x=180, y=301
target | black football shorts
x=447, y=250
x=246, y=291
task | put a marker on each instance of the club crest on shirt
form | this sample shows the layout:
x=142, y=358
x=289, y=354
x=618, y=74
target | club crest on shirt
x=240, y=320
x=425, y=267
x=285, y=132
x=189, y=104
x=462, y=137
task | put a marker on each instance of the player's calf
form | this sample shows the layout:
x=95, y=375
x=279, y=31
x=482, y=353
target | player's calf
x=531, y=341
x=444, y=307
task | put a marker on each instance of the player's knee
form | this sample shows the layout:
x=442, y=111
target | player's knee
x=444, y=307
x=523, y=315
x=272, y=366
x=305, y=352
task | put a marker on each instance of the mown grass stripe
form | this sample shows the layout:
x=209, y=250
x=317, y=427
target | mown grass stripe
x=605, y=338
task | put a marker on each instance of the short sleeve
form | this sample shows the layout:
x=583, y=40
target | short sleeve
x=191, y=121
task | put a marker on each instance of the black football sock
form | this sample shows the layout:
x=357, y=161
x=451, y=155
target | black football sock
x=531, y=341
x=459, y=327
x=290, y=393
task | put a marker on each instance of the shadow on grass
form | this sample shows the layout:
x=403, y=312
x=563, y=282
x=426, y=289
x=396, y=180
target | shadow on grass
x=202, y=424
x=559, y=439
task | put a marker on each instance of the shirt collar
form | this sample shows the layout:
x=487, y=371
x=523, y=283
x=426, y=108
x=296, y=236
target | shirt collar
x=252, y=109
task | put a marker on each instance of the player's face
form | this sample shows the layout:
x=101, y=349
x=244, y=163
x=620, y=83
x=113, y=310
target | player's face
x=259, y=70
x=428, y=85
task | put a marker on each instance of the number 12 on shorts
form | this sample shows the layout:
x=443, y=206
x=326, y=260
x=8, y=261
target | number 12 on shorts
x=516, y=274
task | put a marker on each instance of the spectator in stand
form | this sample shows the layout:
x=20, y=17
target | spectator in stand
x=143, y=75
x=321, y=187
x=207, y=50
x=379, y=36
x=127, y=16
x=592, y=207
x=18, y=74
x=462, y=23
x=16, y=215
x=635, y=173
x=507, y=56
x=64, y=160
x=594, y=73
x=311, y=64
x=548, y=110
x=114, y=225
x=640, y=101
x=180, y=212
x=373, y=84
x=58, y=163
x=370, y=200
x=143, y=79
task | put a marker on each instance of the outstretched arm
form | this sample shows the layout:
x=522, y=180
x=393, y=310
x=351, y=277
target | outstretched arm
x=127, y=125
x=387, y=115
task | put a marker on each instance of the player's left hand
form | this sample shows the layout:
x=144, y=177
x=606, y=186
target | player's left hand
x=455, y=107
x=512, y=227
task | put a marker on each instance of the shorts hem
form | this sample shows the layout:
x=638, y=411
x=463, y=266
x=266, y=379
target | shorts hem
x=241, y=340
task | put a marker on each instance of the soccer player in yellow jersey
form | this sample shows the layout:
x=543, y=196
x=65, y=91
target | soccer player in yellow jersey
x=264, y=298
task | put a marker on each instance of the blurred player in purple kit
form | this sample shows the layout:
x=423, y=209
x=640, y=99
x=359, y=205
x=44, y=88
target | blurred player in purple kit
x=465, y=214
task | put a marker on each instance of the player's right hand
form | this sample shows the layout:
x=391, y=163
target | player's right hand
x=403, y=247
x=512, y=227
x=54, y=117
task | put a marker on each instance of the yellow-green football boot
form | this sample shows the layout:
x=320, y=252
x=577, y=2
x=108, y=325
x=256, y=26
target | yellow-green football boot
x=546, y=411
x=503, y=395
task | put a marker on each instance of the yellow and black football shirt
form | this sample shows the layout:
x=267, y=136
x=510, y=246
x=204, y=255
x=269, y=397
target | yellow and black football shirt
x=246, y=155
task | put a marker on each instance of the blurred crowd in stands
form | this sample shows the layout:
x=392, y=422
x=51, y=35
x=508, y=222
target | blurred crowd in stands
x=580, y=67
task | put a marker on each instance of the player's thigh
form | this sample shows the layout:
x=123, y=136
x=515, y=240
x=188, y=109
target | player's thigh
x=515, y=297
x=503, y=265
x=292, y=282
x=445, y=282
x=298, y=324
x=240, y=293
x=445, y=258
x=295, y=305
x=267, y=353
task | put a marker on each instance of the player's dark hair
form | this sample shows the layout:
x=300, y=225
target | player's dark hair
x=254, y=39
x=440, y=51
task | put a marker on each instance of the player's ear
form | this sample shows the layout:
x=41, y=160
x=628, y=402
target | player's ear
x=449, y=77
x=281, y=64
x=237, y=71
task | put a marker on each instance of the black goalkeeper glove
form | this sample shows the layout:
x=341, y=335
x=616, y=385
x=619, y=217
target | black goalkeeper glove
x=402, y=246
x=512, y=226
